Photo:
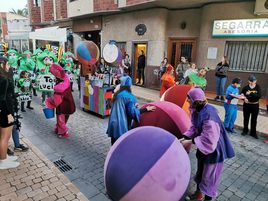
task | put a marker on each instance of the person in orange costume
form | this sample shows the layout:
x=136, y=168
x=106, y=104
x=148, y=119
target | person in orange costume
x=168, y=80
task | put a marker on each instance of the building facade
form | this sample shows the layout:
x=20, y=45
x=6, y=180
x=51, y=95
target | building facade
x=174, y=28
x=16, y=30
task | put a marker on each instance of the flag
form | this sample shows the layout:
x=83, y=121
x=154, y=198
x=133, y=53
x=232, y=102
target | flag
x=47, y=46
x=59, y=53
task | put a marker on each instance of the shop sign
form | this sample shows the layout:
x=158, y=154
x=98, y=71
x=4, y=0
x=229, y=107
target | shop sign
x=247, y=27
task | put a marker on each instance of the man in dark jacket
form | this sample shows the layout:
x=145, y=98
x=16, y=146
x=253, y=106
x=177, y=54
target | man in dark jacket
x=141, y=66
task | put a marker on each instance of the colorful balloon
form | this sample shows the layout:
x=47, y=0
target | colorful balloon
x=87, y=52
x=178, y=96
x=168, y=116
x=147, y=163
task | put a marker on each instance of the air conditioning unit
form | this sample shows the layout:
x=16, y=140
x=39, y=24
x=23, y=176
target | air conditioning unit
x=261, y=7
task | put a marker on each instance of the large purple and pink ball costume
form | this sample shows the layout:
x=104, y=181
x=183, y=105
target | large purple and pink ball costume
x=147, y=163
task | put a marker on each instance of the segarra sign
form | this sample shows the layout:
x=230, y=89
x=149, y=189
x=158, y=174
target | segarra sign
x=249, y=27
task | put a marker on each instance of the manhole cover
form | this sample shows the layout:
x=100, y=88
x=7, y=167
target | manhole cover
x=62, y=165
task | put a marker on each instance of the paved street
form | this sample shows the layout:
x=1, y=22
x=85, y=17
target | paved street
x=243, y=178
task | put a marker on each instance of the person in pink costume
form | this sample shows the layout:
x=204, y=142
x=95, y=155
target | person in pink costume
x=63, y=100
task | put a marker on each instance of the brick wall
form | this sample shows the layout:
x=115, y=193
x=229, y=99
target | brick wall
x=61, y=9
x=132, y=2
x=103, y=5
x=48, y=10
x=4, y=26
x=34, y=13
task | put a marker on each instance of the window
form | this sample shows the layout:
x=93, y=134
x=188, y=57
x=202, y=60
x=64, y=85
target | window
x=247, y=55
x=4, y=20
x=36, y=3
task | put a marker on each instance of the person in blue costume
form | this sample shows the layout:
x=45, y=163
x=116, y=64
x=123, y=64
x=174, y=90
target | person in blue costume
x=124, y=110
x=213, y=145
x=230, y=105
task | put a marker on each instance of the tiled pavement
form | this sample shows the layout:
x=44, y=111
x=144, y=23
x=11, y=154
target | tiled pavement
x=243, y=178
x=36, y=179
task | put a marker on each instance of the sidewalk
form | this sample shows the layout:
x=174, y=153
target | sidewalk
x=36, y=179
x=151, y=95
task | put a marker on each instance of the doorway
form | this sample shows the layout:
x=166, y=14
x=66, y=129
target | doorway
x=137, y=48
x=178, y=47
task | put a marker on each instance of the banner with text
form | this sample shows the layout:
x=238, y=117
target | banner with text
x=245, y=27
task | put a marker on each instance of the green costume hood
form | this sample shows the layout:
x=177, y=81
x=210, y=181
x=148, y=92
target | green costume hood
x=67, y=61
x=44, y=58
x=27, y=63
x=13, y=56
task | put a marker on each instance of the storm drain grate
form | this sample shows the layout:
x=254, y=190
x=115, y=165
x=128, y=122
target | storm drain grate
x=62, y=165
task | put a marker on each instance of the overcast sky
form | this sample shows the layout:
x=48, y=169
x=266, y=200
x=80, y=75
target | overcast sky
x=7, y=5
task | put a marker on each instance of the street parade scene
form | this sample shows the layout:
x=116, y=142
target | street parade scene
x=134, y=100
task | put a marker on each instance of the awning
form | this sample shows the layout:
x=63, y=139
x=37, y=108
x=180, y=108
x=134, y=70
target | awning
x=17, y=36
x=49, y=34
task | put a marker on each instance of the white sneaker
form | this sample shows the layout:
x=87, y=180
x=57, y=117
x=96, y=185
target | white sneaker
x=6, y=164
x=43, y=104
x=12, y=158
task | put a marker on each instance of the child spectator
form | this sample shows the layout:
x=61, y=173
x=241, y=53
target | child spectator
x=230, y=105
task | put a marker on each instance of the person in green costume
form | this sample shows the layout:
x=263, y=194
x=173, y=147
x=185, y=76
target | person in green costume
x=36, y=53
x=67, y=63
x=26, y=63
x=13, y=57
x=44, y=62
x=197, y=78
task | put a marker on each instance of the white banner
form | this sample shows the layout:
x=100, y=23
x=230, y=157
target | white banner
x=24, y=97
x=246, y=27
x=46, y=83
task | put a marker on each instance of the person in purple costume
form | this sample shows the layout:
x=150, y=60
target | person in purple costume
x=213, y=145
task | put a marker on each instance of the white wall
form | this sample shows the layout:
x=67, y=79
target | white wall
x=80, y=7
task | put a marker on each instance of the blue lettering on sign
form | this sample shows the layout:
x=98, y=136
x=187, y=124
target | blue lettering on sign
x=265, y=24
x=217, y=25
x=232, y=25
x=257, y=23
x=240, y=25
x=248, y=24
x=224, y=25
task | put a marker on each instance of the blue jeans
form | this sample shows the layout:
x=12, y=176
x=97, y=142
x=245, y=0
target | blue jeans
x=15, y=136
x=220, y=85
x=230, y=115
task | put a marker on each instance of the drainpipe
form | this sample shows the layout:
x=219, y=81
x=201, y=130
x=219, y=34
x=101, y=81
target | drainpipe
x=54, y=8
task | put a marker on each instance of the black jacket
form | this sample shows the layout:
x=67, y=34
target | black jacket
x=141, y=62
x=221, y=70
x=6, y=95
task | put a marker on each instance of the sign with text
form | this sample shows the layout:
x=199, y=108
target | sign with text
x=24, y=97
x=46, y=83
x=70, y=75
x=247, y=27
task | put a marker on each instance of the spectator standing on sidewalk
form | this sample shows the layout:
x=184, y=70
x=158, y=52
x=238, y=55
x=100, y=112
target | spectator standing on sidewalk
x=124, y=110
x=251, y=105
x=6, y=114
x=230, y=105
x=221, y=74
x=192, y=69
x=141, y=67
x=212, y=142
x=163, y=67
x=127, y=64
x=182, y=67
